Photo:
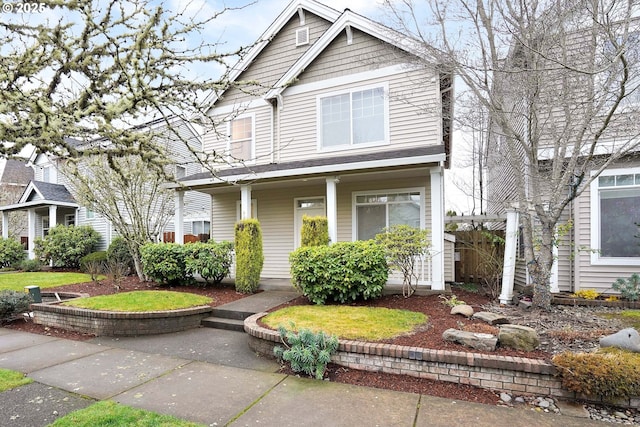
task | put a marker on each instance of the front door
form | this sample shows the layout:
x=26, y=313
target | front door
x=311, y=206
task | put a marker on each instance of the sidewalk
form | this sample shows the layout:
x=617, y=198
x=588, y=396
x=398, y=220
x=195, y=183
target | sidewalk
x=211, y=377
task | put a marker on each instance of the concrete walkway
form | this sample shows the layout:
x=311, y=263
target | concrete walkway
x=211, y=377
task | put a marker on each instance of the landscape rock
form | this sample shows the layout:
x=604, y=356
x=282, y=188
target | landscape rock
x=518, y=337
x=627, y=339
x=483, y=342
x=464, y=309
x=491, y=318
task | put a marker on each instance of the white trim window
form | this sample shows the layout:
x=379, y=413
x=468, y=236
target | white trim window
x=241, y=141
x=69, y=219
x=373, y=211
x=355, y=118
x=615, y=213
x=200, y=227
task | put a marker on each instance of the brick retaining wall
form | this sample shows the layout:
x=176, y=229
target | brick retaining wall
x=112, y=323
x=517, y=375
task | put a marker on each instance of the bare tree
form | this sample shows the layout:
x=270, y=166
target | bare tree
x=129, y=194
x=87, y=69
x=558, y=80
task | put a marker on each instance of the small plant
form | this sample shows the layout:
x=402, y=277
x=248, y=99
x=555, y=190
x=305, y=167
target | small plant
x=94, y=264
x=118, y=251
x=628, y=288
x=306, y=351
x=13, y=303
x=31, y=265
x=589, y=294
x=612, y=298
x=451, y=301
x=116, y=271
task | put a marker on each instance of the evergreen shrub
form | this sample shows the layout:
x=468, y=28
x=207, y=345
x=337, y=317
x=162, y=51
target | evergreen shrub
x=164, y=263
x=13, y=303
x=31, y=265
x=315, y=231
x=342, y=272
x=11, y=253
x=249, y=255
x=613, y=374
x=118, y=252
x=94, y=264
x=66, y=244
x=306, y=351
x=212, y=261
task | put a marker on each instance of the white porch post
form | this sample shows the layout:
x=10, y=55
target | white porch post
x=245, y=201
x=437, y=229
x=509, y=267
x=31, y=219
x=5, y=224
x=53, y=216
x=332, y=208
x=178, y=219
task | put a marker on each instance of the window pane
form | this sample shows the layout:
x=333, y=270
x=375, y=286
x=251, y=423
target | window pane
x=368, y=116
x=404, y=213
x=241, y=150
x=241, y=138
x=624, y=180
x=241, y=128
x=207, y=227
x=607, y=181
x=371, y=220
x=619, y=213
x=335, y=121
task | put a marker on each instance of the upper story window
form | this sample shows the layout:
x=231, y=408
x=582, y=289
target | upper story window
x=615, y=213
x=355, y=118
x=241, y=138
x=47, y=174
x=181, y=172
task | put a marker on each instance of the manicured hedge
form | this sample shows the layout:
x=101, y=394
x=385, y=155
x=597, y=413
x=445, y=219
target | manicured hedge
x=249, y=256
x=315, y=231
x=342, y=272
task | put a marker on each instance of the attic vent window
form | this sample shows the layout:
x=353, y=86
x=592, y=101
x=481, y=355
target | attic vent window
x=302, y=36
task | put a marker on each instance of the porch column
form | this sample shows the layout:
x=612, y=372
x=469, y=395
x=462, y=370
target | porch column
x=332, y=208
x=53, y=216
x=5, y=224
x=509, y=267
x=31, y=219
x=178, y=219
x=245, y=201
x=437, y=229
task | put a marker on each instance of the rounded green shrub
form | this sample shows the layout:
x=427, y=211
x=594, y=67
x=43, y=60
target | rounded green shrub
x=315, y=231
x=165, y=263
x=94, y=264
x=65, y=245
x=249, y=256
x=31, y=265
x=118, y=252
x=212, y=261
x=342, y=272
x=12, y=303
x=11, y=252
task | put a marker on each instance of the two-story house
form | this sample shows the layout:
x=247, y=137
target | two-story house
x=48, y=199
x=345, y=118
x=577, y=123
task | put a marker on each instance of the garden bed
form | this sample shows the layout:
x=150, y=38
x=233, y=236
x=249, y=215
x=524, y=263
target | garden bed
x=567, y=299
x=112, y=323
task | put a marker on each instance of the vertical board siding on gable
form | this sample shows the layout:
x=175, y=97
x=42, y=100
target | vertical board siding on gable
x=276, y=58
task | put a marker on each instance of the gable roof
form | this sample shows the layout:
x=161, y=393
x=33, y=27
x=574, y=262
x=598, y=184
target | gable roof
x=39, y=190
x=16, y=172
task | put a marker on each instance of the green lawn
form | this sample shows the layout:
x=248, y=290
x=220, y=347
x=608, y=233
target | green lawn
x=364, y=323
x=141, y=301
x=110, y=414
x=12, y=379
x=17, y=281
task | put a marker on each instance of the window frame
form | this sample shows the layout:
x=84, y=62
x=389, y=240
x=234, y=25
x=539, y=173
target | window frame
x=202, y=222
x=350, y=91
x=252, y=156
x=354, y=205
x=596, y=257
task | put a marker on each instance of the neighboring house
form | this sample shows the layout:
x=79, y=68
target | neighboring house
x=602, y=244
x=48, y=199
x=14, y=178
x=346, y=120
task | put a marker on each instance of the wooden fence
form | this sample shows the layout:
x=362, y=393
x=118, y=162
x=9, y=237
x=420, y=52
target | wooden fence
x=170, y=237
x=478, y=253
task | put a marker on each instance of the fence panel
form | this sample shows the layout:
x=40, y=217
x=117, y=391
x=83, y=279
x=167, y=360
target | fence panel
x=473, y=248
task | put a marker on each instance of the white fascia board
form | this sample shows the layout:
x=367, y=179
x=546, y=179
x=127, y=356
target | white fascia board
x=314, y=7
x=31, y=187
x=33, y=203
x=351, y=19
x=314, y=170
x=238, y=108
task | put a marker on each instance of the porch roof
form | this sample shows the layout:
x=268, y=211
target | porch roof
x=326, y=165
x=47, y=194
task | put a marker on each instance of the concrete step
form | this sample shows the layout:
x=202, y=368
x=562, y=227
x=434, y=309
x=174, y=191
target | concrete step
x=237, y=314
x=223, y=323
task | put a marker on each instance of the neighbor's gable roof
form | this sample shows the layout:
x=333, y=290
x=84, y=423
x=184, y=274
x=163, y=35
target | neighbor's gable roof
x=39, y=190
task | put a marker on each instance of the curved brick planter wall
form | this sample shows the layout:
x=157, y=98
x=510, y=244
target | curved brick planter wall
x=113, y=323
x=516, y=375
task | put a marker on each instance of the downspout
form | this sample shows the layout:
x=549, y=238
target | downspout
x=272, y=124
x=280, y=103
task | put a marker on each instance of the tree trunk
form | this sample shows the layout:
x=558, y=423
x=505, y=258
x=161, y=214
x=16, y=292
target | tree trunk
x=540, y=270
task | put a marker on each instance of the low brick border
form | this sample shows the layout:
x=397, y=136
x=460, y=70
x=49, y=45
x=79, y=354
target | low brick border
x=111, y=323
x=517, y=375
